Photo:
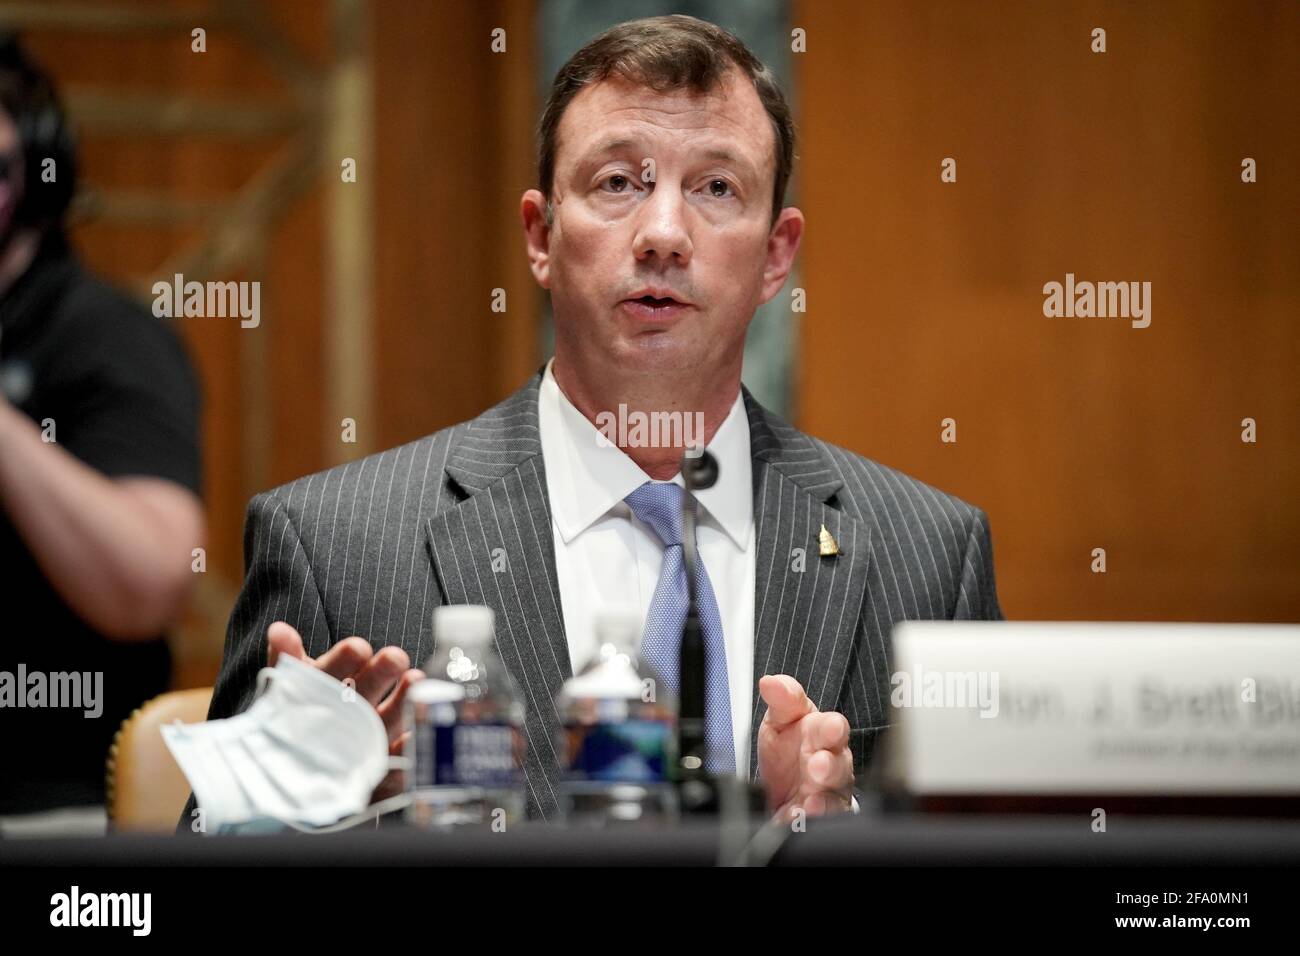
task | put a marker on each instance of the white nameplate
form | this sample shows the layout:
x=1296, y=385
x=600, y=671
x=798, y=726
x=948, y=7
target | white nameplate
x=987, y=707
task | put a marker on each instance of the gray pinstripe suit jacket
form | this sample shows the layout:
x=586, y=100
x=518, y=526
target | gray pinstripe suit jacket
x=371, y=547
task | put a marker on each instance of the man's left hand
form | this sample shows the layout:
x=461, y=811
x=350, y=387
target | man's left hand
x=804, y=758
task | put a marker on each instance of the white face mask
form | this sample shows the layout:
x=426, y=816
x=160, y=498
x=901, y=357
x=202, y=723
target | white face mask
x=307, y=752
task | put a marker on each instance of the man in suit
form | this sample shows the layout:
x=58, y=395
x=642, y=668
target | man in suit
x=659, y=228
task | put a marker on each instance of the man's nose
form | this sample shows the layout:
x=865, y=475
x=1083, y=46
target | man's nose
x=662, y=230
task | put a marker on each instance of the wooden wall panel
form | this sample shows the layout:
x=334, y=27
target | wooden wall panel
x=925, y=298
x=452, y=165
x=452, y=153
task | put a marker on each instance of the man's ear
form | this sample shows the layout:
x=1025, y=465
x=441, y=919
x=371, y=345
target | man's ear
x=537, y=234
x=782, y=246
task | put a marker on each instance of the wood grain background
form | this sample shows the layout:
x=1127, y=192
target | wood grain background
x=924, y=298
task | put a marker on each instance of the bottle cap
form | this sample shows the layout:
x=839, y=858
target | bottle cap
x=471, y=624
x=620, y=626
x=430, y=691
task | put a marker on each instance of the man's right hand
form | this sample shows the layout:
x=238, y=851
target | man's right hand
x=382, y=677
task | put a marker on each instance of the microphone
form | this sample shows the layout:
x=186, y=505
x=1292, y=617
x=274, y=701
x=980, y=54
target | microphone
x=699, y=471
x=733, y=802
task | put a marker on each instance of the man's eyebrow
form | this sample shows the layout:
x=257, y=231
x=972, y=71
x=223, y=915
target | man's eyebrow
x=717, y=152
x=723, y=154
x=609, y=146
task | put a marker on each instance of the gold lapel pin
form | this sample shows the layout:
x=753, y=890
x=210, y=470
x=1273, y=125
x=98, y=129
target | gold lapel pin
x=826, y=544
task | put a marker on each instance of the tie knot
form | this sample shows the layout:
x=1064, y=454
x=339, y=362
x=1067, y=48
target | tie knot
x=659, y=505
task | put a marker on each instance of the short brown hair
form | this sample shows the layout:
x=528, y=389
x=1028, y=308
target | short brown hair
x=667, y=54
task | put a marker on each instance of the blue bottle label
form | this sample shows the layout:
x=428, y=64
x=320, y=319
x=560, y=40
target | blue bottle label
x=625, y=751
x=467, y=755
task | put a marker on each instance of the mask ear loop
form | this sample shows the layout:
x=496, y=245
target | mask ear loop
x=372, y=812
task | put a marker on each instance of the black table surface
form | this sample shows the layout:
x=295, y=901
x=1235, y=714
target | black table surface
x=870, y=840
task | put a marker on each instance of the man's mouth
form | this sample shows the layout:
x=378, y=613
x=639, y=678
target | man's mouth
x=655, y=308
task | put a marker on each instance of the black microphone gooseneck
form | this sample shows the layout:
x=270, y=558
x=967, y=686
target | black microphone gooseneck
x=699, y=471
x=733, y=802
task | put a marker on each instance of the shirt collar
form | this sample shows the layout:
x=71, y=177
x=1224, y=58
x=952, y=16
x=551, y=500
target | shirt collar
x=587, y=478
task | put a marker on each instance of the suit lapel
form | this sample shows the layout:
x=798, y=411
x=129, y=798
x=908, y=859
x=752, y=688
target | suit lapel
x=807, y=607
x=495, y=548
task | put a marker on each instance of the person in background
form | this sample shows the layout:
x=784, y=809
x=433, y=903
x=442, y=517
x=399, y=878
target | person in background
x=99, y=474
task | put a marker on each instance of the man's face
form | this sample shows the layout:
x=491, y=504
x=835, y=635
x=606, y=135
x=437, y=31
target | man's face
x=667, y=195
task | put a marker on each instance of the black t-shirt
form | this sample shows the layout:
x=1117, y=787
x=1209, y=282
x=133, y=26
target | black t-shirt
x=124, y=400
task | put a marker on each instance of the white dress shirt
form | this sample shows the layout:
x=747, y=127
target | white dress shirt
x=605, y=557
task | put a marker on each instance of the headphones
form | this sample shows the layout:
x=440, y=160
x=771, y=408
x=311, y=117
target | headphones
x=44, y=134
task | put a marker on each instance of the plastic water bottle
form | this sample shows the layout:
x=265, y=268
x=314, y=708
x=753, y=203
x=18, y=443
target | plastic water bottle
x=466, y=719
x=618, y=733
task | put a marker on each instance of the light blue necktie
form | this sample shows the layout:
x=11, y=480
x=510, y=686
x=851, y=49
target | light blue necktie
x=659, y=506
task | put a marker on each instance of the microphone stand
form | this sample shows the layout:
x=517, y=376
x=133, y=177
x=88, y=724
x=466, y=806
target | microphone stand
x=701, y=794
x=698, y=472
